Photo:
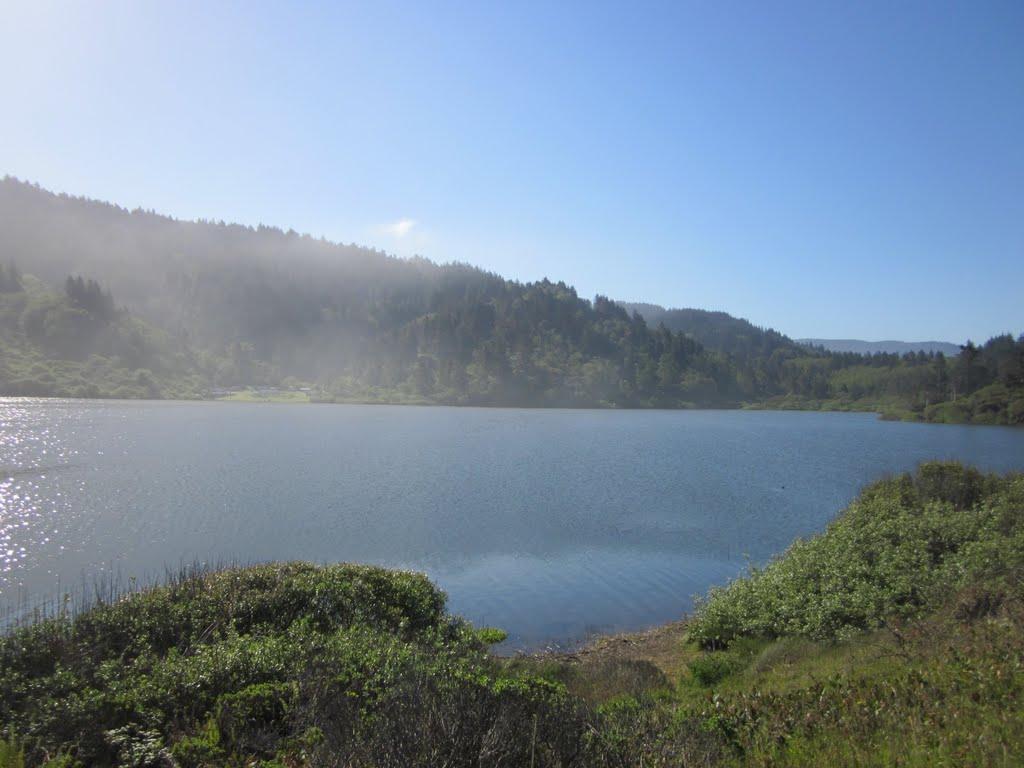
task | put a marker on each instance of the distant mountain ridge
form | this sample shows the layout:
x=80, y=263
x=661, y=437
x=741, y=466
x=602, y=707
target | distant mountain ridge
x=719, y=331
x=723, y=332
x=860, y=347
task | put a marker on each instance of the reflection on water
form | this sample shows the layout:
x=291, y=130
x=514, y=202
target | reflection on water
x=550, y=524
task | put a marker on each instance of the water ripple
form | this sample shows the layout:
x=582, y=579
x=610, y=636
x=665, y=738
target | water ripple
x=551, y=524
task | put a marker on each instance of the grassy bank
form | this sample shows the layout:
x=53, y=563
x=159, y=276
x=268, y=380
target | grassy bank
x=994, y=405
x=894, y=638
x=265, y=396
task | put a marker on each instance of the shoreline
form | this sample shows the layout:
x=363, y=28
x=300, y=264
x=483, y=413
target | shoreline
x=878, y=411
x=661, y=646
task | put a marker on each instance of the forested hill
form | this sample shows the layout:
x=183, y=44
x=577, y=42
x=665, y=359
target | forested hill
x=97, y=300
x=718, y=330
x=76, y=342
x=260, y=306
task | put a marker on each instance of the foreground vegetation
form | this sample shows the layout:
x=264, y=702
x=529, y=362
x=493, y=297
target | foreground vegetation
x=343, y=665
x=894, y=638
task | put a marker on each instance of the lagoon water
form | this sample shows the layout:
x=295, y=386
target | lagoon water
x=553, y=524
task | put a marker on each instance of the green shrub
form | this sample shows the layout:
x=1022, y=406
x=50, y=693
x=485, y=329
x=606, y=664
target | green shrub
x=1015, y=411
x=950, y=482
x=201, y=749
x=491, y=636
x=138, y=747
x=291, y=663
x=948, y=413
x=12, y=753
x=158, y=662
x=712, y=667
x=891, y=553
x=252, y=720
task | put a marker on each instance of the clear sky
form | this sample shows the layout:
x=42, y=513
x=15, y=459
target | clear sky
x=831, y=169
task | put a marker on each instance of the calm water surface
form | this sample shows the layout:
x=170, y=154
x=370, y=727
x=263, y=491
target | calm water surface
x=551, y=524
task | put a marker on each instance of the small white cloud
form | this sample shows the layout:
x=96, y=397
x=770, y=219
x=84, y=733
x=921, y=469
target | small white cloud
x=400, y=228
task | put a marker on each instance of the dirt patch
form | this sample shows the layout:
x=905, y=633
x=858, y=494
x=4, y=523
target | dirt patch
x=662, y=646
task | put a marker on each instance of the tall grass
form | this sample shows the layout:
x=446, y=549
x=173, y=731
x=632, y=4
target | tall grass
x=97, y=589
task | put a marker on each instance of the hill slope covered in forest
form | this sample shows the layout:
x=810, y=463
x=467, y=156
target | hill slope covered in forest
x=77, y=343
x=201, y=306
x=268, y=304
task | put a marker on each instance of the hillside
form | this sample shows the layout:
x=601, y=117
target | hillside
x=859, y=347
x=205, y=306
x=78, y=343
x=267, y=305
x=718, y=330
x=980, y=384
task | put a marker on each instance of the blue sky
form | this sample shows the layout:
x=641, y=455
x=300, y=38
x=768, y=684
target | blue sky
x=829, y=169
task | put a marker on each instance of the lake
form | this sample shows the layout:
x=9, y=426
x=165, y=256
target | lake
x=552, y=524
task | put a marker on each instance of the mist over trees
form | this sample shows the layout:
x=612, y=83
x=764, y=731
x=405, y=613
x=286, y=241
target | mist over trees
x=260, y=305
x=96, y=300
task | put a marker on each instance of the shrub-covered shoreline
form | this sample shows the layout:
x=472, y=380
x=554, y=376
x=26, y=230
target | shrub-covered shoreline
x=893, y=638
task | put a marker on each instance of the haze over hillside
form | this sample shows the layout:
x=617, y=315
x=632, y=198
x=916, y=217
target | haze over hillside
x=98, y=301
x=888, y=347
x=259, y=305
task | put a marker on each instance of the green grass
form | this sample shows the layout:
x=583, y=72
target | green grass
x=894, y=638
x=994, y=405
x=942, y=692
x=256, y=396
x=900, y=544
